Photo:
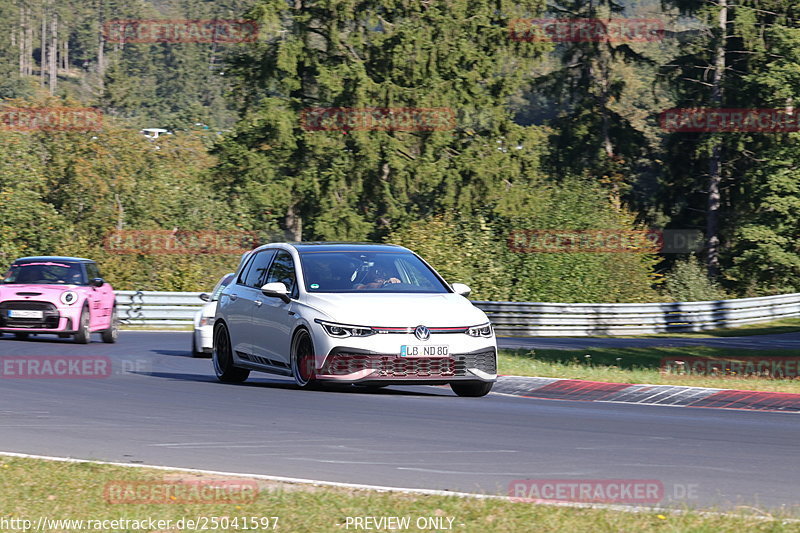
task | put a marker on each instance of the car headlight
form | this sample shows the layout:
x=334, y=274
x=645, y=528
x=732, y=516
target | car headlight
x=69, y=297
x=484, y=330
x=342, y=331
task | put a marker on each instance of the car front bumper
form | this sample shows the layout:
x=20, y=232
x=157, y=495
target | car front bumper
x=205, y=334
x=378, y=359
x=54, y=319
x=350, y=366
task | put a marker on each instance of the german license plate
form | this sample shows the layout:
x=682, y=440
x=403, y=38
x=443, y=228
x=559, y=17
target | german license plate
x=424, y=350
x=24, y=313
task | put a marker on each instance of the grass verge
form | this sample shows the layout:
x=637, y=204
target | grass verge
x=641, y=365
x=776, y=327
x=34, y=488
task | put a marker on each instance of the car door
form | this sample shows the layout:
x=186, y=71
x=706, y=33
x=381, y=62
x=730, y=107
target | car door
x=273, y=318
x=100, y=298
x=239, y=299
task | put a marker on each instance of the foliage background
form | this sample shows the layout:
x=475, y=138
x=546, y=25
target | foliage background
x=547, y=136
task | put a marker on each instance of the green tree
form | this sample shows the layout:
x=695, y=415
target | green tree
x=352, y=184
x=739, y=185
x=593, y=134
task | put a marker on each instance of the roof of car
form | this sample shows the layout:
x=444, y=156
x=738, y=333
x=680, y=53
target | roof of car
x=324, y=246
x=54, y=258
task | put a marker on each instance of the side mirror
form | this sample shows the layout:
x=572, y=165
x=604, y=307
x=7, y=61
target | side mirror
x=205, y=297
x=462, y=289
x=276, y=290
x=97, y=282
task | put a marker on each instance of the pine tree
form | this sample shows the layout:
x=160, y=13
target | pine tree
x=456, y=57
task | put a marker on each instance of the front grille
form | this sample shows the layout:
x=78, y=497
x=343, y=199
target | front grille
x=485, y=361
x=49, y=318
x=391, y=366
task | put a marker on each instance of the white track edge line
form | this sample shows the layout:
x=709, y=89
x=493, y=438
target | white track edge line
x=381, y=488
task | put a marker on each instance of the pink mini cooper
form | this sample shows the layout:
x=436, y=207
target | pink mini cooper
x=61, y=295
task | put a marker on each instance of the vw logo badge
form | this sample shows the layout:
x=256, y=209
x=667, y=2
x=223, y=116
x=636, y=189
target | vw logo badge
x=422, y=333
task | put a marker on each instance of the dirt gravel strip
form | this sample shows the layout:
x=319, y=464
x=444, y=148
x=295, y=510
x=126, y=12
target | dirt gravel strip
x=598, y=391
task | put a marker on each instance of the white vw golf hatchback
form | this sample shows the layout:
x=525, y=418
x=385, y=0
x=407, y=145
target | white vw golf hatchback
x=367, y=314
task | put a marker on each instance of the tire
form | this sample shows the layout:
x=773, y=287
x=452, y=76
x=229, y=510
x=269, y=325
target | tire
x=303, y=361
x=21, y=336
x=471, y=389
x=83, y=335
x=222, y=358
x=110, y=335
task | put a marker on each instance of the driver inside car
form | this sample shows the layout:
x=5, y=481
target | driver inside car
x=376, y=279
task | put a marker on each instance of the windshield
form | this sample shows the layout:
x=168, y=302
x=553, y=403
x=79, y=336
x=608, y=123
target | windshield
x=359, y=272
x=45, y=273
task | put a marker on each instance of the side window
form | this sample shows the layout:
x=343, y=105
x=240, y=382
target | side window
x=92, y=271
x=224, y=282
x=257, y=267
x=282, y=271
x=243, y=273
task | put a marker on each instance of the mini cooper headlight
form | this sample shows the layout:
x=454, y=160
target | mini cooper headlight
x=342, y=331
x=484, y=330
x=69, y=297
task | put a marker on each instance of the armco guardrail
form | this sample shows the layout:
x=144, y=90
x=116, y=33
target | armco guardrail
x=157, y=308
x=527, y=318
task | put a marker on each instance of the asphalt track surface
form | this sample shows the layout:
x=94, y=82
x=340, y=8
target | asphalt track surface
x=162, y=407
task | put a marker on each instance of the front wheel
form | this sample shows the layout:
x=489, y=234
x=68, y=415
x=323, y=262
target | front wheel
x=222, y=357
x=83, y=335
x=471, y=389
x=110, y=335
x=303, y=360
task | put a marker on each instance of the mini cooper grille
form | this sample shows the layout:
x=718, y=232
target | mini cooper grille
x=49, y=313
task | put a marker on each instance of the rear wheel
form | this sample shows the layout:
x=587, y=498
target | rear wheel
x=110, y=335
x=21, y=336
x=222, y=357
x=472, y=389
x=83, y=335
x=303, y=360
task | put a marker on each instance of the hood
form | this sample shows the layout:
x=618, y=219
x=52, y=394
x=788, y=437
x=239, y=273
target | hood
x=33, y=291
x=398, y=310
